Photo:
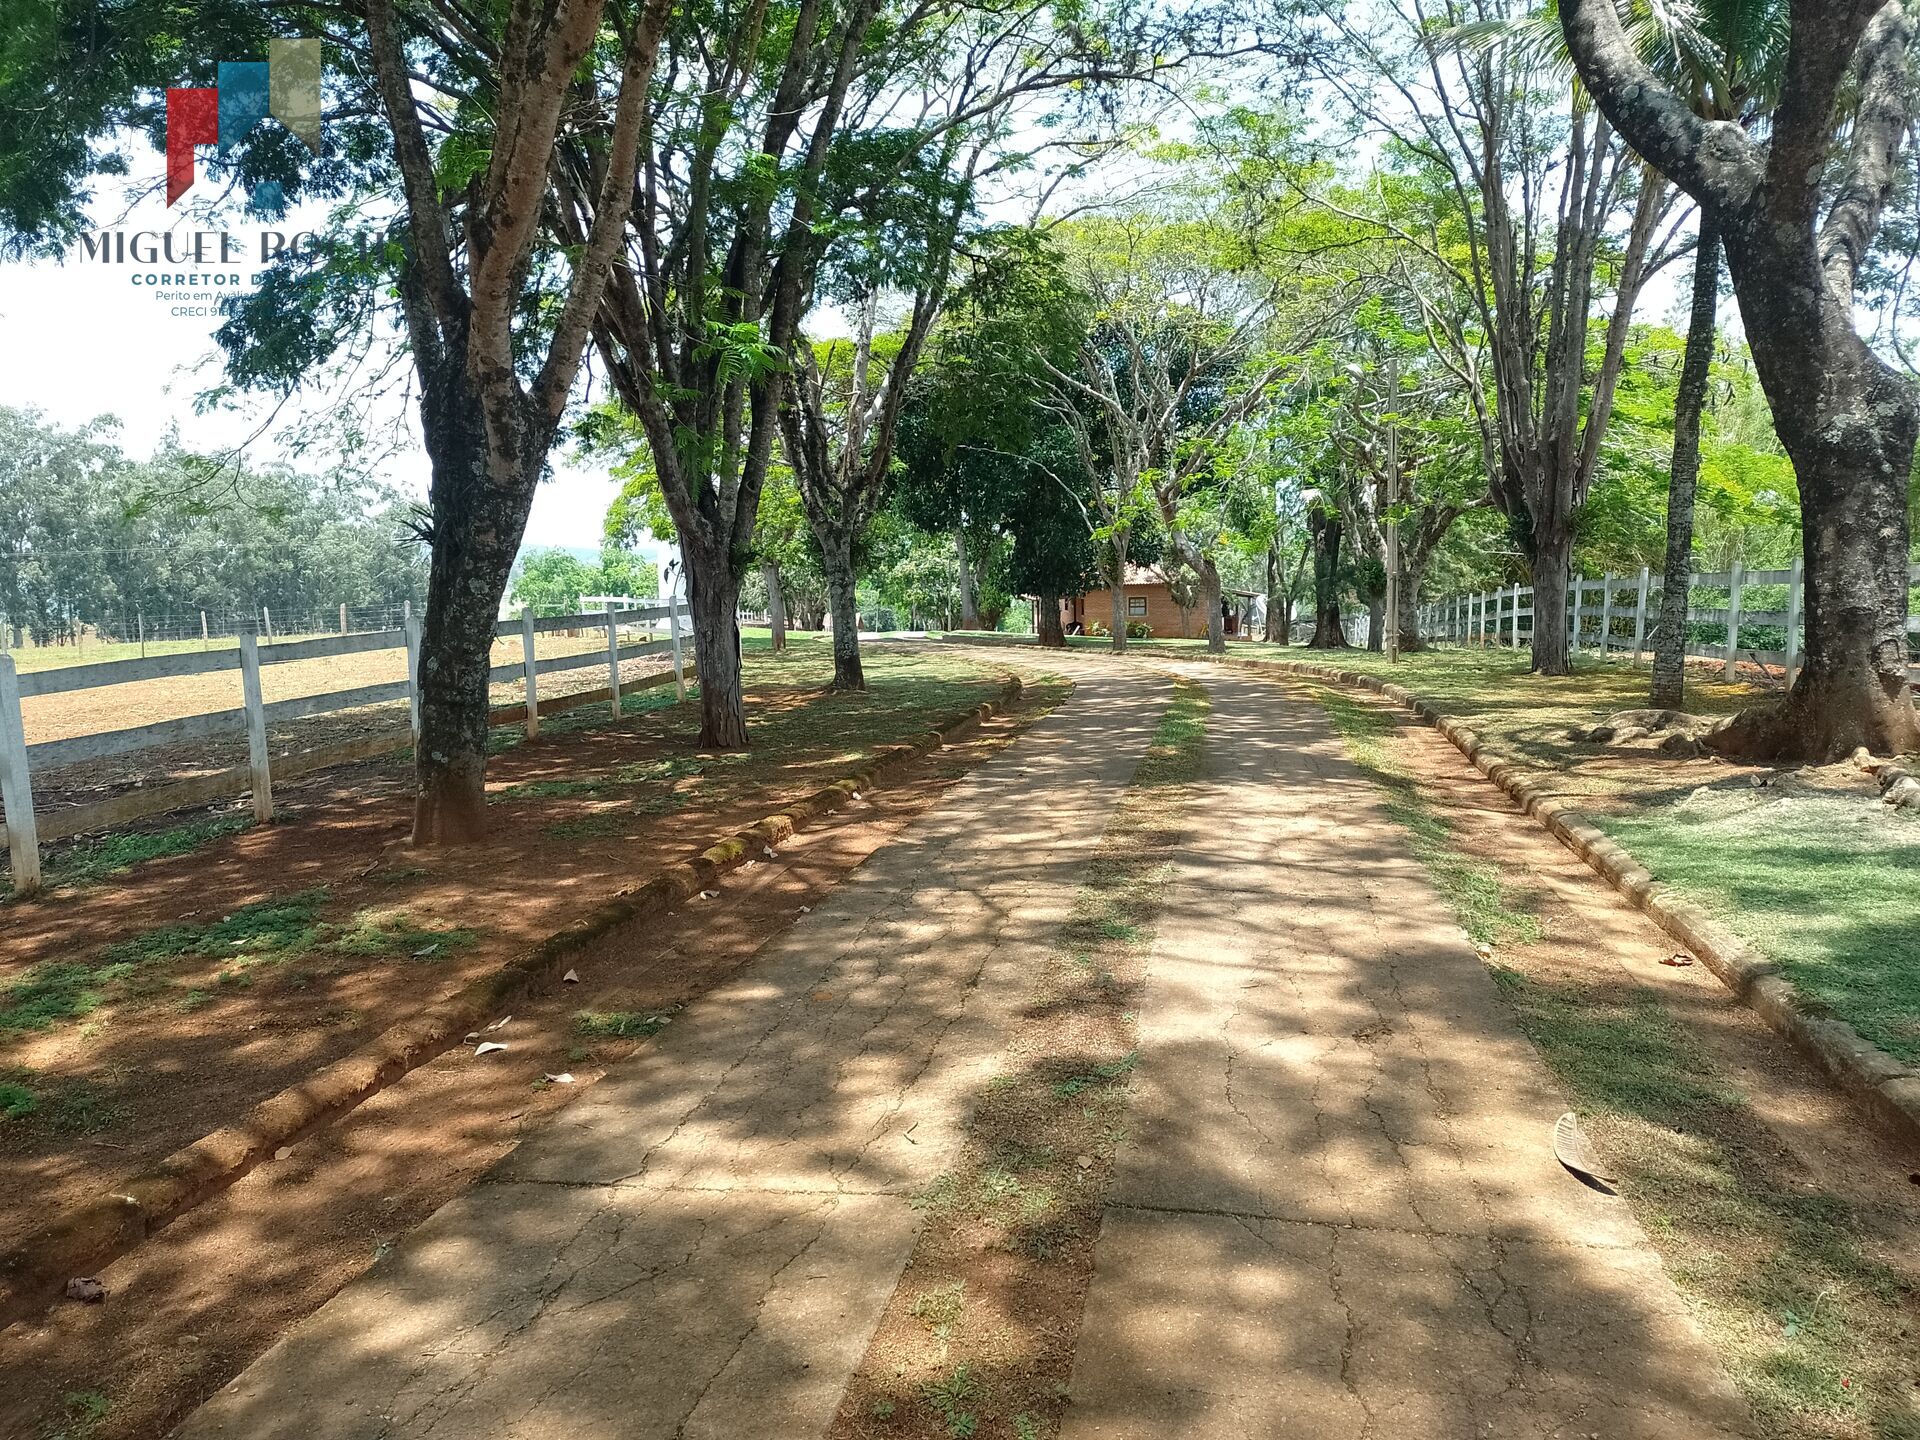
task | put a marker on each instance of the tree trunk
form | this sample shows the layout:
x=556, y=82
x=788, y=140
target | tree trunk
x=1852, y=690
x=776, y=605
x=1118, y=591
x=1376, y=622
x=1848, y=422
x=478, y=519
x=837, y=557
x=1210, y=597
x=1285, y=635
x=1046, y=622
x=1328, y=633
x=1275, y=632
x=1413, y=573
x=969, y=604
x=1670, y=635
x=713, y=599
x=1552, y=567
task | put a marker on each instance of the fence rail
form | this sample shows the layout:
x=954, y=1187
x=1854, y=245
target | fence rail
x=23, y=829
x=1616, y=613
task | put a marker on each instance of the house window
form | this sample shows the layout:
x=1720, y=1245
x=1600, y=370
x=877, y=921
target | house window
x=1136, y=605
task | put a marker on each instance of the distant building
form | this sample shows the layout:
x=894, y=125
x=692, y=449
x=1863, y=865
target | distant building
x=1149, y=601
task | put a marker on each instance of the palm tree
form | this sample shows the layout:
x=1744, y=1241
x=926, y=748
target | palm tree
x=1727, y=58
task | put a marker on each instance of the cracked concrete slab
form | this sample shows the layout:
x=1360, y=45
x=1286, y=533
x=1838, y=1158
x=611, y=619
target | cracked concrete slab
x=1338, y=1213
x=701, y=1246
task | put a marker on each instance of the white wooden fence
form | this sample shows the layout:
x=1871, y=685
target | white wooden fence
x=1616, y=615
x=24, y=830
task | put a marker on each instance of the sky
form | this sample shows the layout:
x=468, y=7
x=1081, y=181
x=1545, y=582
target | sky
x=78, y=339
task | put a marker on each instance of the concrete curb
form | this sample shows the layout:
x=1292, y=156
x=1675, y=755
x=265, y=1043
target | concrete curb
x=1888, y=1088
x=34, y=1272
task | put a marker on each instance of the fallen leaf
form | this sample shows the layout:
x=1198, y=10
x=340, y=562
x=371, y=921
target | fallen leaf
x=1083, y=1161
x=489, y=1048
x=283, y=1152
x=86, y=1289
x=572, y=977
x=1679, y=957
x=426, y=950
x=1483, y=950
x=769, y=850
x=709, y=894
x=563, y=1078
x=806, y=909
x=1571, y=1149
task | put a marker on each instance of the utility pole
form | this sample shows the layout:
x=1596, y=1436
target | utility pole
x=1392, y=636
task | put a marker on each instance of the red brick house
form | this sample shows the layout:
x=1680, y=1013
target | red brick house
x=1149, y=601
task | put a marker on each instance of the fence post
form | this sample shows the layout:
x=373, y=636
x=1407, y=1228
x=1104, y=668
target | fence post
x=16, y=785
x=613, y=659
x=256, y=727
x=1793, y=622
x=673, y=629
x=266, y=623
x=206, y=638
x=1606, y=616
x=531, y=670
x=1480, y=634
x=1516, y=615
x=412, y=627
x=1579, y=601
x=1640, y=615
x=1736, y=585
x=343, y=617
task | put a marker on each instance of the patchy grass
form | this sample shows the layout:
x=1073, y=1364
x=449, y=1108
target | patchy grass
x=1817, y=1333
x=269, y=931
x=88, y=862
x=978, y=1338
x=17, y=1100
x=620, y=1024
x=1471, y=886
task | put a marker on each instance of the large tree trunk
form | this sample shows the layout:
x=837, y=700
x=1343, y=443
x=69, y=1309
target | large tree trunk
x=969, y=603
x=478, y=519
x=1117, y=592
x=1376, y=622
x=837, y=554
x=1670, y=635
x=1552, y=567
x=1852, y=689
x=1328, y=633
x=1848, y=423
x=776, y=604
x=1046, y=622
x=714, y=600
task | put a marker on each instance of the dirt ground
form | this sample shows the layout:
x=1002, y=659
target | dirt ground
x=147, y=1011
x=192, y=1307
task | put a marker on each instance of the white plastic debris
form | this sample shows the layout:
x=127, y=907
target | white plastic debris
x=488, y=1048
x=572, y=977
x=563, y=1078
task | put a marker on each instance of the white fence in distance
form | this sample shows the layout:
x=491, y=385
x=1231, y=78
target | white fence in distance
x=1617, y=615
x=24, y=831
